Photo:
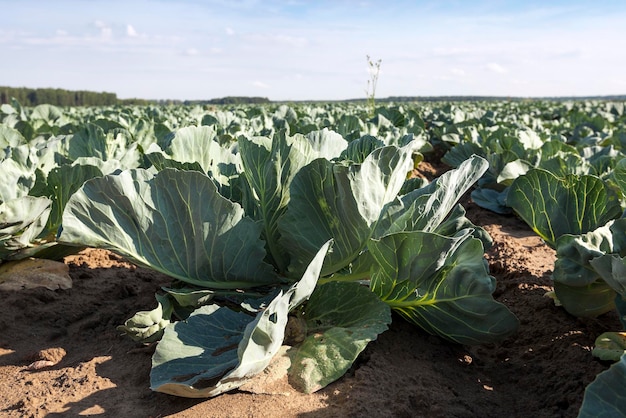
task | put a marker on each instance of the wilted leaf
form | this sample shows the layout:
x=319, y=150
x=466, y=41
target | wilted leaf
x=217, y=349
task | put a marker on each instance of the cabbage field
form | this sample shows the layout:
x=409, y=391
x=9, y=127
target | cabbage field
x=307, y=232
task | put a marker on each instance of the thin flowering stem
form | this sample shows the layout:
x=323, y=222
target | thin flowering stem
x=370, y=91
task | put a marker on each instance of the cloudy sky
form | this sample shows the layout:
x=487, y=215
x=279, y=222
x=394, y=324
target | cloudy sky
x=315, y=50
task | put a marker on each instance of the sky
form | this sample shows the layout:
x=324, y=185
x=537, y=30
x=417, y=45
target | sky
x=315, y=50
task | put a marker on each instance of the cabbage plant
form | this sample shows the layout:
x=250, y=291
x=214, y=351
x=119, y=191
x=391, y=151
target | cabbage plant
x=577, y=215
x=33, y=194
x=313, y=218
x=564, y=212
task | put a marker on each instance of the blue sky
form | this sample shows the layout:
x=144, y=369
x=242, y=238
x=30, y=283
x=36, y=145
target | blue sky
x=315, y=50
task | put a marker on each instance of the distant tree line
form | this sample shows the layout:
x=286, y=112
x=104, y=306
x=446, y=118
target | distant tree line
x=400, y=99
x=230, y=100
x=60, y=97
x=445, y=98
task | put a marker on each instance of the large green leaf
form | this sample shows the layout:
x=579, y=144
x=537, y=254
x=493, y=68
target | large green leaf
x=322, y=207
x=426, y=209
x=554, y=206
x=327, y=144
x=62, y=182
x=461, y=152
x=193, y=355
x=588, y=301
x=377, y=180
x=49, y=113
x=612, y=269
x=491, y=199
x=359, y=149
x=341, y=319
x=17, y=171
x=574, y=252
x=340, y=202
x=174, y=222
x=91, y=141
x=200, y=144
x=511, y=171
x=529, y=138
x=10, y=137
x=217, y=349
x=349, y=126
x=160, y=161
x=21, y=221
x=578, y=283
x=605, y=396
x=441, y=284
x=270, y=166
x=201, y=149
x=619, y=175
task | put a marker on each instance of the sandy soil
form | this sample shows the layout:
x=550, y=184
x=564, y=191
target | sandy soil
x=61, y=355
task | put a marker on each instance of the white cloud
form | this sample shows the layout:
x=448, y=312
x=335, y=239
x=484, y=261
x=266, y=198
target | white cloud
x=318, y=53
x=106, y=32
x=130, y=31
x=98, y=36
x=496, y=68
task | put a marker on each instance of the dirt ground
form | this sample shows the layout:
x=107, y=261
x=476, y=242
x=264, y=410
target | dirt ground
x=61, y=355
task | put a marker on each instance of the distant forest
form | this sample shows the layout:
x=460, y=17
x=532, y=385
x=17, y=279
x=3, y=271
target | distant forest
x=60, y=97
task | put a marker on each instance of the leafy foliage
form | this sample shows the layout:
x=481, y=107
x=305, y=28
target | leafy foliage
x=441, y=284
x=554, y=206
x=605, y=395
x=156, y=220
x=340, y=320
x=217, y=348
x=238, y=205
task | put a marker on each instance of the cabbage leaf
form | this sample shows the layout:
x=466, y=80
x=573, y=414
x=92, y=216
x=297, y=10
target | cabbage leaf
x=440, y=284
x=174, y=222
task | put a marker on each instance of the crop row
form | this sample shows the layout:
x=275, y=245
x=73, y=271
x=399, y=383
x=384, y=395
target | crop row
x=303, y=224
